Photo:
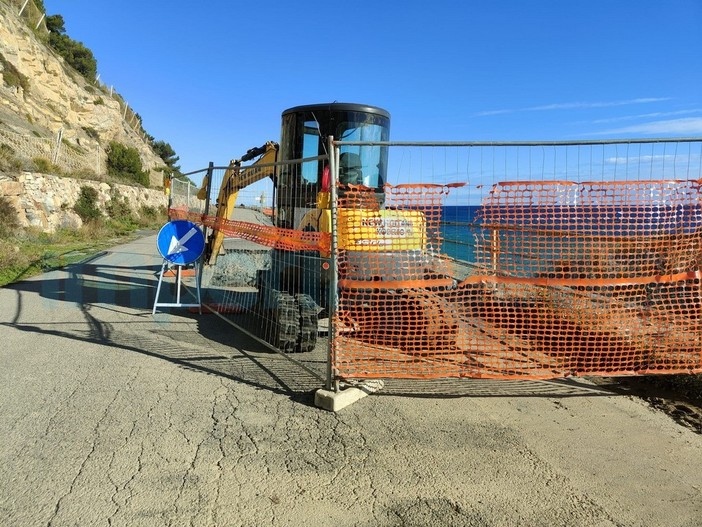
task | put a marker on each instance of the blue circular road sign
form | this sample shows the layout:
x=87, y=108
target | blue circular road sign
x=180, y=242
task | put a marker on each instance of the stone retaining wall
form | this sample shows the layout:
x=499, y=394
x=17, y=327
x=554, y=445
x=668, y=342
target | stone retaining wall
x=46, y=202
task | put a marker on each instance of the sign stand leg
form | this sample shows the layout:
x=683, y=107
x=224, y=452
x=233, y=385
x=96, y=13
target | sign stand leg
x=178, y=284
x=197, y=285
x=158, y=288
x=179, y=281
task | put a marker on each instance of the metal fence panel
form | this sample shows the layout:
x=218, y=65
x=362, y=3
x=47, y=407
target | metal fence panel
x=266, y=278
x=512, y=260
x=523, y=261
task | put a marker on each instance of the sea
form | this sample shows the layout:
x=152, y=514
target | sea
x=458, y=231
x=460, y=223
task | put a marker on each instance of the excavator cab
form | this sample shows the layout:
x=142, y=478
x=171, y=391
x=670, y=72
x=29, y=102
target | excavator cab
x=294, y=290
x=304, y=135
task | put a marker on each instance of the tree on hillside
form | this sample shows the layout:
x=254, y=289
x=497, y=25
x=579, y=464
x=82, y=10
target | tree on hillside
x=55, y=24
x=165, y=151
x=73, y=52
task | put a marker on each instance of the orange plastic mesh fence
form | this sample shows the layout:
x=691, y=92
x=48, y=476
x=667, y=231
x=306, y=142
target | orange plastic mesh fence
x=266, y=235
x=571, y=279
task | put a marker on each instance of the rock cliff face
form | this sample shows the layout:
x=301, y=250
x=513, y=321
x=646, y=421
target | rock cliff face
x=46, y=202
x=59, y=98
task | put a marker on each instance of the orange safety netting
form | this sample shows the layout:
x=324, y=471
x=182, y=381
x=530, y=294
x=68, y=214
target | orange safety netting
x=267, y=235
x=569, y=279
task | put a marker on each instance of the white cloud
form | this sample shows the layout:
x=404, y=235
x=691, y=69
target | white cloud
x=639, y=159
x=646, y=116
x=575, y=105
x=495, y=112
x=687, y=125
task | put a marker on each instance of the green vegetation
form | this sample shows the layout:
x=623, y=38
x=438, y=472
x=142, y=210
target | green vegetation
x=9, y=163
x=124, y=163
x=44, y=166
x=118, y=207
x=87, y=204
x=30, y=252
x=165, y=151
x=9, y=223
x=167, y=154
x=74, y=52
x=11, y=75
x=151, y=214
x=92, y=133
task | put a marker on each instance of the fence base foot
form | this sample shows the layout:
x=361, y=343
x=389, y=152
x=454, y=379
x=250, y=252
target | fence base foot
x=335, y=401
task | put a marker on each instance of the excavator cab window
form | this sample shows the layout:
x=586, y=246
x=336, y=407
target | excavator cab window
x=361, y=165
x=310, y=148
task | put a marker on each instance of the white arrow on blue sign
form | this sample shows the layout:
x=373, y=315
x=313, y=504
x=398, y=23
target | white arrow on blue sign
x=180, y=242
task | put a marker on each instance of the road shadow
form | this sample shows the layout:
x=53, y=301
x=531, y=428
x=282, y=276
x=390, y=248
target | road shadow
x=211, y=345
x=92, y=284
x=105, y=294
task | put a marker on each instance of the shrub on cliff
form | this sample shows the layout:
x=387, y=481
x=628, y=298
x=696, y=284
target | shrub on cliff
x=11, y=75
x=44, y=166
x=9, y=222
x=118, y=207
x=86, y=205
x=9, y=163
x=123, y=162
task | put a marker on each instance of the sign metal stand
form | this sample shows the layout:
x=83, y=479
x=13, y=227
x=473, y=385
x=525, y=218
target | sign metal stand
x=181, y=243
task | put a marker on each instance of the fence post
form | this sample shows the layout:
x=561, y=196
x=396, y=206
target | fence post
x=170, y=181
x=59, y=137
x=22, y=8
x=39, y=23
x=206, y=213
x=334, y=264
x=210, y=168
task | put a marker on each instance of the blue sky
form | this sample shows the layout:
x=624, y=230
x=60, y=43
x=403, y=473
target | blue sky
x=213, y=78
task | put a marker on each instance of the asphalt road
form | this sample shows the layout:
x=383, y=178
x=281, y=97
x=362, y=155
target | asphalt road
x=112, y=416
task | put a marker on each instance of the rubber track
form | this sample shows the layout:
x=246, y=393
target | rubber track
x=287, y=322
x=308, y=323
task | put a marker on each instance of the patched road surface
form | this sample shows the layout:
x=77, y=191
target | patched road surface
x=111, y=416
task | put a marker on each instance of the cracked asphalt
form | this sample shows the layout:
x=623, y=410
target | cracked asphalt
x=111, y=416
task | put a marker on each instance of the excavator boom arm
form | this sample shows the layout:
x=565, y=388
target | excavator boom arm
x=236, y=178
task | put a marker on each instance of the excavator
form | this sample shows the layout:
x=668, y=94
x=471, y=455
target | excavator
x=293, y=289
x=397, y=297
